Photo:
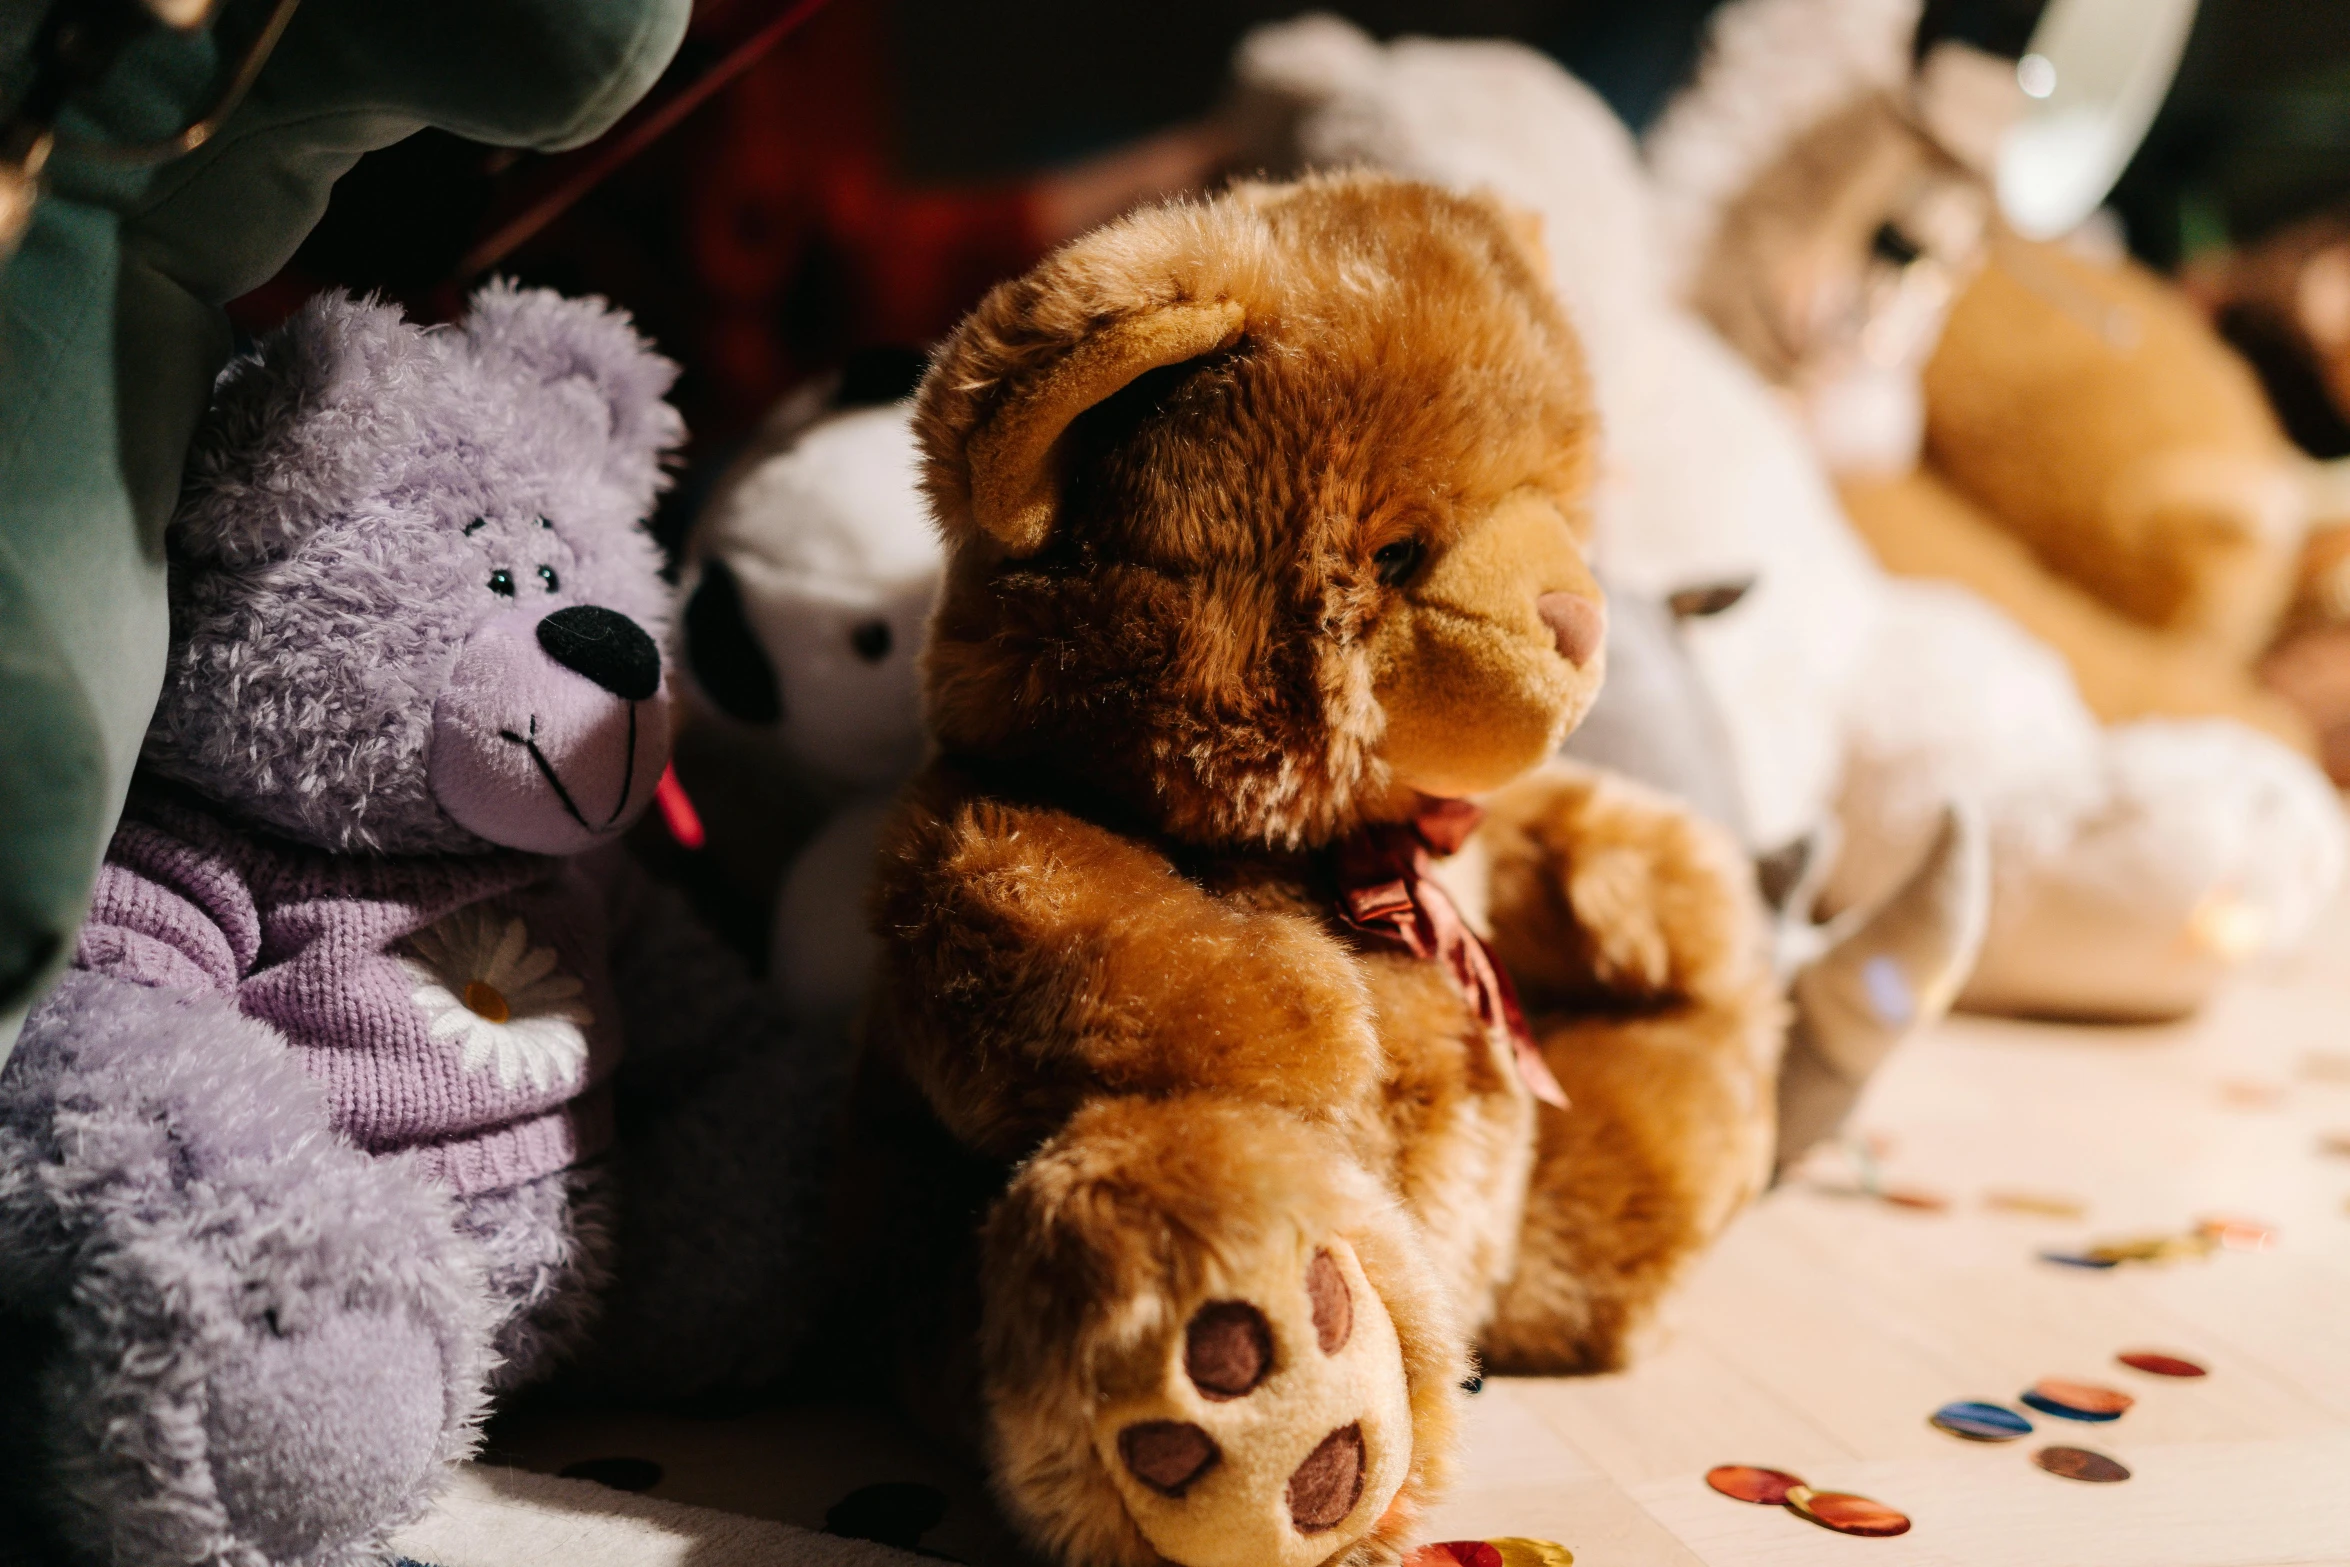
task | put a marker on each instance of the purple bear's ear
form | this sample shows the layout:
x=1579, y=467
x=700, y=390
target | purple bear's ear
x=538, y=334
x=301, y=429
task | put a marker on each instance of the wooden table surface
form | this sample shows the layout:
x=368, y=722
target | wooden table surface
x=1825, y=1329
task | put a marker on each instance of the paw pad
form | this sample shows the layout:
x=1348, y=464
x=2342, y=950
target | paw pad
x=1325, y=1488
x=1167, y=1455
x=1334, y=1308
x=1276, y=1425
x=1228, y=1349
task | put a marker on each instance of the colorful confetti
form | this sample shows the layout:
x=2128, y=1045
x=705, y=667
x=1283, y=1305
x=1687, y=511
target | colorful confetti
x=1979, y=1421
x=1751, y=1483
x=2079, y=1463
x=2039, y=1205
x=1846, y=1513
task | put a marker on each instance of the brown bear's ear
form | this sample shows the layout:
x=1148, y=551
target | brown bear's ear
x=1011, y=454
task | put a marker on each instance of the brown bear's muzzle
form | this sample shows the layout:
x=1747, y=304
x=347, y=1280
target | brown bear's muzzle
x=1493, y=652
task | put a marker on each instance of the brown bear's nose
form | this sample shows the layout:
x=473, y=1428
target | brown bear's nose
x=1579, y=624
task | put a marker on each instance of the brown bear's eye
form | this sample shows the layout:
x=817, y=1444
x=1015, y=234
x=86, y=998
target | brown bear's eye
x=547, y=576
x=502, y=582
x=871, y=640
x=1394, y=562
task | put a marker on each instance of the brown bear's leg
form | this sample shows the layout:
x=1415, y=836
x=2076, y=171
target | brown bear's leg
x=1635, y=933
x=1211, y=1338
x=1665, y=1139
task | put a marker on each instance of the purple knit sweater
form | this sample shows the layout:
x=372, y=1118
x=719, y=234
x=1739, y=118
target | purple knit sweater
x=454, y=1007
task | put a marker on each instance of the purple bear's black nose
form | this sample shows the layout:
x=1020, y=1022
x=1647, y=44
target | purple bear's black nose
x=606, y=646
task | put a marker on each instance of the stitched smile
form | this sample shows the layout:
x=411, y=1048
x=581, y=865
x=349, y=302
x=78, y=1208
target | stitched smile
x=547, y=771
x=627, y=770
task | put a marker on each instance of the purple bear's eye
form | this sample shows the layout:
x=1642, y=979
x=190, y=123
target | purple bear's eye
x=502, y=582
x=547, y=576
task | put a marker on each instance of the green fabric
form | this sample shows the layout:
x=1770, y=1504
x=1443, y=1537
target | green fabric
x=111, y=331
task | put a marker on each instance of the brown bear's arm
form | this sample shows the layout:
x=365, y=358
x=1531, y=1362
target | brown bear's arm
x=1034, y=959
x=1603, y=892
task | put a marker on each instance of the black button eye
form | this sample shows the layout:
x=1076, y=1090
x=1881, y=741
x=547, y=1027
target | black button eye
x=502, y=582
x=1394, y=562
x=1890, y=244
x=871, y=640
x=547, y=576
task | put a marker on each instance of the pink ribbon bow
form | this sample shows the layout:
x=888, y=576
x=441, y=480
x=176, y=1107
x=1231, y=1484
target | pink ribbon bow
x=1385, y=892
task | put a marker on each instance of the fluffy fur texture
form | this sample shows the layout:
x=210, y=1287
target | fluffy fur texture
x=1243, y=728
x=304, y=672
x=1235, y=612
x=257, y=1341
x=1847, y=693
x=231, y=1337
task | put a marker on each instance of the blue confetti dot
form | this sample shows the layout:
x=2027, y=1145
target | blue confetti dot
x=1979, y=1421
x=2049, y=1406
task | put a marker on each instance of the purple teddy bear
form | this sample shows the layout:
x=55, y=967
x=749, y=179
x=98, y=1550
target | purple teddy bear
x=329, y=1136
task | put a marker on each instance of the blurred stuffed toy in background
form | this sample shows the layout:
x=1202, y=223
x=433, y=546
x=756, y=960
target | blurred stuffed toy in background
x=809, y=578
x=2285, y=301
x=2049, y=423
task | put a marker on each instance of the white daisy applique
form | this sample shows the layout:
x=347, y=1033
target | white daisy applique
x=478, y=978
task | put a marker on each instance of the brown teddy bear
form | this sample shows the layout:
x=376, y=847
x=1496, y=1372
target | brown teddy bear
x=1202, y=1140
x=2101, y=466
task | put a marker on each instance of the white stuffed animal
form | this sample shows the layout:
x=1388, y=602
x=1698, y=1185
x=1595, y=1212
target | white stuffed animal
x=809, y=580
x=2132, y=868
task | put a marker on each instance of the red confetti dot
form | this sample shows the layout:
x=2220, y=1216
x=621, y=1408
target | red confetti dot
x=1455, y=1553
x=1747, y=1483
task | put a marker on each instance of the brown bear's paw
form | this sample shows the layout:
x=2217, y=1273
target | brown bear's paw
x=1281, y=1429
x=1246, y=1389
x=1599, y=884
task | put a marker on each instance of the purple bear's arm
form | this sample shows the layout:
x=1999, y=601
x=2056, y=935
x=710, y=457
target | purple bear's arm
x=170, y=913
